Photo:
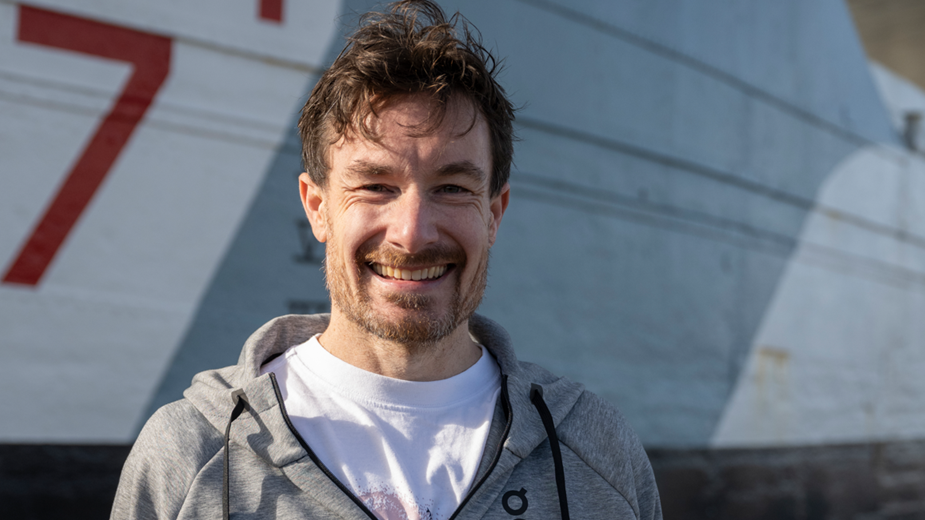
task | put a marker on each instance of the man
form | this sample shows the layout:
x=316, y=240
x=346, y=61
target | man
x=402, y=403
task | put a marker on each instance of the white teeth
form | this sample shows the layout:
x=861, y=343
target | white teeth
x=404, y=274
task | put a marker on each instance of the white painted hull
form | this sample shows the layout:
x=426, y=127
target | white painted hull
x=713, y=222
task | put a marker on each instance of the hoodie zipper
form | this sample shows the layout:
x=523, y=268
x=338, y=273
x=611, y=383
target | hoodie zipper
x=508, y=412
x=311, y=454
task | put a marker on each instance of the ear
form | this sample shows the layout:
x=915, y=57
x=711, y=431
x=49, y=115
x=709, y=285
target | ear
x=313, y=201
x=498, y=206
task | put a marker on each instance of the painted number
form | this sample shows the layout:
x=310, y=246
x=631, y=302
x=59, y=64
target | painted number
x=272, y=10
x=149, y=54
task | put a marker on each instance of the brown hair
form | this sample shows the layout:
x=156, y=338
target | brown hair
x=411, y=49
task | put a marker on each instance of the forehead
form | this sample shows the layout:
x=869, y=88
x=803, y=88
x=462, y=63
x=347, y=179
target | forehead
x=409, y=132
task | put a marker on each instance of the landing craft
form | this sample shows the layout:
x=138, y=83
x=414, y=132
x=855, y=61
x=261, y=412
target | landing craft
x=716, y=223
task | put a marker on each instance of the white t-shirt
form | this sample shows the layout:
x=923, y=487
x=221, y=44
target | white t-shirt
x=407, y=449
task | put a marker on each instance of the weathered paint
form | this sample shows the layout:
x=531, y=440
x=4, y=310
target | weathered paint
x=844, y=315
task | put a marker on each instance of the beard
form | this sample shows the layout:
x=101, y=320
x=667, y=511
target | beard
x=426, y=324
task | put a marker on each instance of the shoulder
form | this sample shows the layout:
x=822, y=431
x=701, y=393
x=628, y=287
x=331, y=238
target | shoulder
x=602, y=438
x=179, y=430
x=597, y=432
x=174, y=445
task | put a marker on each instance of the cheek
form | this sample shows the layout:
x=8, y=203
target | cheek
x=476, y=237
x=357, y=230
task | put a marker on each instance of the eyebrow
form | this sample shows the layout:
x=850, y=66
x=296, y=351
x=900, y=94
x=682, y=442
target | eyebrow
x=466, y=168
x=366, y=168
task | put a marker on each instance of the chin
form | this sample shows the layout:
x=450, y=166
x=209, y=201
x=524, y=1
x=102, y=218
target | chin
x=414, y=329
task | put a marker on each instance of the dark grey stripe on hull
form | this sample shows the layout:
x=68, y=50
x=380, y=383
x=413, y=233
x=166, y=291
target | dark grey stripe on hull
x=855, y=481
x=870, y=481
x=54, y=481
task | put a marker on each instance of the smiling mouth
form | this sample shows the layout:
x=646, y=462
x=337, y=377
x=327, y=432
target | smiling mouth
x=395, y=273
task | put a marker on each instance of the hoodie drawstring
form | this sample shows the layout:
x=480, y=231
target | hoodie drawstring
x=240, y=403
x=536, y=397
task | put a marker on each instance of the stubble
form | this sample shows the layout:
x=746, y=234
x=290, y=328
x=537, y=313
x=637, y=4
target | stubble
x=425, y=324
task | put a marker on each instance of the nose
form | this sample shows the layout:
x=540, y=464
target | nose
x=412, y=223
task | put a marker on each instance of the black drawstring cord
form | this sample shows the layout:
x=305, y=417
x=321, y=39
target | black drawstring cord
x=536, y=397
x=240, y=403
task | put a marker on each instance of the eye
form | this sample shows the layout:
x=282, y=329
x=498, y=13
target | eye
x=375, y=188
x=452, y=189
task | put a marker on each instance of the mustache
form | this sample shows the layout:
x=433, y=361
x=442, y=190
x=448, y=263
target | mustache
x=433, y=255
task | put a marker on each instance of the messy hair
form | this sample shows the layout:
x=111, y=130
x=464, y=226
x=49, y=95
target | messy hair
x=411, y=49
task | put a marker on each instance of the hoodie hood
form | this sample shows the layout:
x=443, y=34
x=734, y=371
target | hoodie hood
x=263, y=427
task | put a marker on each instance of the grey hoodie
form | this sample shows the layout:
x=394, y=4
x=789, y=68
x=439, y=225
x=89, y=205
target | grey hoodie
x=175, y=469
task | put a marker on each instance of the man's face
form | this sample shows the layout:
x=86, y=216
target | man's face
x=408, y=221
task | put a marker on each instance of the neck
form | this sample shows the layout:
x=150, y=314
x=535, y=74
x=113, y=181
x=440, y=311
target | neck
x=445, y=358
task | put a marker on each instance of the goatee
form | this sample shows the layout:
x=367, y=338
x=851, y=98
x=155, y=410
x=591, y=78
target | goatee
x=426, y=325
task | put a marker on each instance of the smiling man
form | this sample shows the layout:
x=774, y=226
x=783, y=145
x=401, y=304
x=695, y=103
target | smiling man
x=409, y=219
x=402, y=403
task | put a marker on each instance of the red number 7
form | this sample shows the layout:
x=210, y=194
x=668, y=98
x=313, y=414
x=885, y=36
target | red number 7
x=150, y=56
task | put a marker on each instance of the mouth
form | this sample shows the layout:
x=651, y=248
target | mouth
x=418, y=274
